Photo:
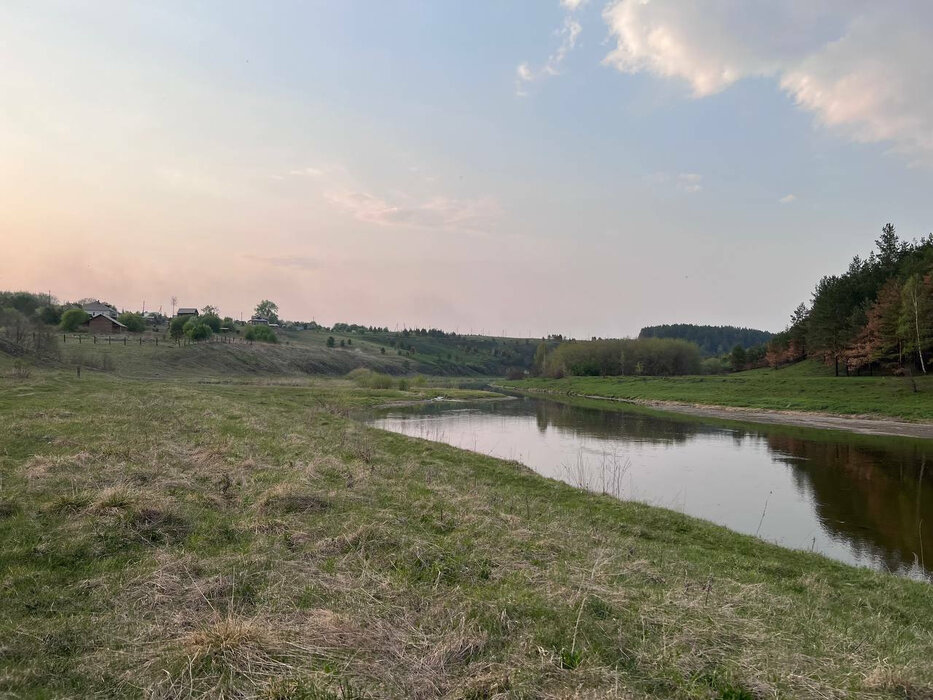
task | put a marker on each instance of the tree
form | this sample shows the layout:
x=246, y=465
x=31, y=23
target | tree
x=210, y=311
x=134, y=322
x=263, y=334
x=50, y=315
x=176, y=327
x=73, y=318
x=330, y=341
x=212, y=320
x=914, y=318
x=196, y=329
x=738, y=358
x=268, y=310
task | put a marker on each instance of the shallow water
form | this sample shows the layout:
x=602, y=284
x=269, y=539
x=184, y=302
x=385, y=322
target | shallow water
x=859, y=499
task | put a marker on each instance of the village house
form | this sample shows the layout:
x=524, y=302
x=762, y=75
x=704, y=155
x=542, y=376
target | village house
x=185, y=311
x=99, y=307
x=102, y=323
x=258, y=321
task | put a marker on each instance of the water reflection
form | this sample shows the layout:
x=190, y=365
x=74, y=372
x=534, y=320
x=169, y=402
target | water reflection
x=861, y=499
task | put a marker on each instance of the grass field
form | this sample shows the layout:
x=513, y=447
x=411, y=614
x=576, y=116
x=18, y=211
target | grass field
x=297, y=353
x=181, y=539
x=807, y=386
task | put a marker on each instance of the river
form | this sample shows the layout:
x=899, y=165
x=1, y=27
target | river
x=860, y=499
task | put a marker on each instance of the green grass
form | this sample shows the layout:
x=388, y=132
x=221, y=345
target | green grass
x=297, y=353
x=807, y=386
x=174, y=539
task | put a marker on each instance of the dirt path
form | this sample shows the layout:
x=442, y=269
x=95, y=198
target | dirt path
x=865, y=425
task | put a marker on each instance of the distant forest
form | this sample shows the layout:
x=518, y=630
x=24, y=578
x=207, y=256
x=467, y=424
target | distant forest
x=875, y=317
x=713, y=340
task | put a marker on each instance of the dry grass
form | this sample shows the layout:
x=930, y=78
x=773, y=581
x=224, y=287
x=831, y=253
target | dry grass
x=252, y=542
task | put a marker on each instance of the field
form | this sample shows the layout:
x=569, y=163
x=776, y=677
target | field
x=177, y=538
x=299, y=352
x=807, y=386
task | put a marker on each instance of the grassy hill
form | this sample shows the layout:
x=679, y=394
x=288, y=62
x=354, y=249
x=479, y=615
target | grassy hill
x=299, y=352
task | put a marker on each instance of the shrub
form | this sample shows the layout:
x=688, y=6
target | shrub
x=263, y=334
x=134, y=322
x=196, y=329
x=73, y=318
x=371, y=380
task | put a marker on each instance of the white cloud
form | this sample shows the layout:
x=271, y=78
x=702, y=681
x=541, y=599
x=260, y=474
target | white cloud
x=685, y=182
x=860, y=66
x=437, y=212
x=568, y=33
x=788, y=198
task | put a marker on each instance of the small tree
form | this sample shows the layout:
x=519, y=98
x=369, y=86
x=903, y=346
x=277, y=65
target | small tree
x=330, y=341
x=738, y=358
x=134, y=322
x=50, y=315
x=176, y=328
x=212, y=320
x=210, y=311
x=196, y=329
x=73, y=318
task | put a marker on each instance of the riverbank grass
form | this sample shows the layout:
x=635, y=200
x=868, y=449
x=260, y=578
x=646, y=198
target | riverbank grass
x=806, y=386
x=165, y=539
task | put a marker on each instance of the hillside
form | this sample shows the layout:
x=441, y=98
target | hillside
x=712, y=340
x=299, y=352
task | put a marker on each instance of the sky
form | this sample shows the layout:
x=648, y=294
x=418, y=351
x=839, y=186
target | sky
x=584, y=167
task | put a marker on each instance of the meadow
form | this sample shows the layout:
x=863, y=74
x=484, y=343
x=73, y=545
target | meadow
x=252, y=539
x=806, y=386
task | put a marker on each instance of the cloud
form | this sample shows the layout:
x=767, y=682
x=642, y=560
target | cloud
x=859, y=66
x=689, y=182
x=569, y=32
x=572, y=5
x=684, y=182
x=788, y=198
x=437, y=212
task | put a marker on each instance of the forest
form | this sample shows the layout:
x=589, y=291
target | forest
x=712, y=340
x=625, y=356
x=876, y=317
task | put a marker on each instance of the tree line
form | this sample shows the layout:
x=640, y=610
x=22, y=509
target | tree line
x=712, y=340
x=877, y=316
x=621, y=357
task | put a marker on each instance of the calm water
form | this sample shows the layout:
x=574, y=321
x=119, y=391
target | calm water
x=860, y=499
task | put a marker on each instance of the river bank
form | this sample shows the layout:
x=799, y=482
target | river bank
x=252, y=540
x=863, y=425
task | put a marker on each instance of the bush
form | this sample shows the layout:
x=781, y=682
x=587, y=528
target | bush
x=196, y=329
x=371, y=380
x=263, y=334
x=73, y=318
x=134, y=322
x=330, y=341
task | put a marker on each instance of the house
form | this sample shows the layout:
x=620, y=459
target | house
x=100, y=307
x=185, y=311
x=102, y=323
x=258, y=321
